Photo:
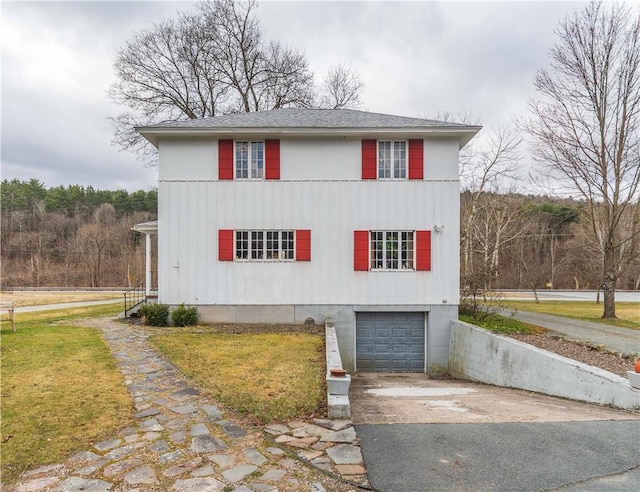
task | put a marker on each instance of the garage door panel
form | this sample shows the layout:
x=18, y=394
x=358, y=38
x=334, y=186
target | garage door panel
x=389, y=342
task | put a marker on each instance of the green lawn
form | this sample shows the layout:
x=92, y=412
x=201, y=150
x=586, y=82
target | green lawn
x=628, y=313
x=270, y=377
x=61, y=390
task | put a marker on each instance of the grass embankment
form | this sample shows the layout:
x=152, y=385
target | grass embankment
x=272, y=377
x=501, y=324
x=61, y=390
x=628, y=313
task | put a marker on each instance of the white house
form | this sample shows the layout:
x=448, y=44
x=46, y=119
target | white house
x=290, y=214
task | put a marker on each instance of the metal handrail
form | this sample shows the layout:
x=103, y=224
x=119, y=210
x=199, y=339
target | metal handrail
x=134, y=297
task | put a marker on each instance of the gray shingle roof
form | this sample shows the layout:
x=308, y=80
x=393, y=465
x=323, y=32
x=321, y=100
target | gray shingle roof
x=308, y=118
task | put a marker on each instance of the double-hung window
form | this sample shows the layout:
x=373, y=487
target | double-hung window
x=265, y=245
x=392, y=250
x=249, y=160
x=392, y=160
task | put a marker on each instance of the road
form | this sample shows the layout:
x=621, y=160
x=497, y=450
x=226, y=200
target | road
x=623, y=340
x=569, y=295
x=66, y=305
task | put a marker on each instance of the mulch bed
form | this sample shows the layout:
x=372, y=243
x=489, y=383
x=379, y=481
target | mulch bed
x=587, y=353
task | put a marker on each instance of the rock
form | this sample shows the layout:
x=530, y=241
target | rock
x=207, y=444
x=108, y=444
x=77, y=484
x=254, y=457
x=273, y=475
x=147, y=413
x=234, y=432
x=317, y=487
x=184, y=410
x=275, y=451
x=199, y=430
x=212, y=411
x=276, y=430
x=310, y=455
x=348, y=470
x=198, y=485
x=143, y=475
x=347, y=435
x=37, y=484
x=222, y=460
x=345, y=454
x=237, y=473
x=203, y=471
x=120, y=467
x=334, y=425
x=284, y=439
x=322, y=463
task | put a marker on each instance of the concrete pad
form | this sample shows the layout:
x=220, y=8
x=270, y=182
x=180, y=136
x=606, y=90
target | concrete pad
x=379, y=398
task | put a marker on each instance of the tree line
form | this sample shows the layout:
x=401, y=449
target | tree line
x=71, y=236
x=81, y=237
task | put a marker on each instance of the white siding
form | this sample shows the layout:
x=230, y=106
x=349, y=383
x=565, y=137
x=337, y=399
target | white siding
x=188, y=159
x=191, y=213
x=441, y=159
x=320, y=159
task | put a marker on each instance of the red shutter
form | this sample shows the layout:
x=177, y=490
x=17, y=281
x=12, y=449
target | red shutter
x=225, y=245
x=369, y=159
x=361, y=250
x=423, y=250
x=225, y=159
x=303, y=245
x=416, y=159
x=272, y=159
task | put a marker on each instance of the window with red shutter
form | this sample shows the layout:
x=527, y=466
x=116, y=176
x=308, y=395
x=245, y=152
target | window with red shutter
x=225, y=245
x=369, y=159
x=361, y=250
x=272, y=159
x=423, y=250
x=225, y=159
x=416, y=159
x=303, y=245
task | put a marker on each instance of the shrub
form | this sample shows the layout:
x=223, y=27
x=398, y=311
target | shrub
x=184, y=316
x=156, y=314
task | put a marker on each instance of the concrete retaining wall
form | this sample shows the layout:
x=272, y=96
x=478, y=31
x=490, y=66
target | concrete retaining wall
x=337, y=386
x=480, y=355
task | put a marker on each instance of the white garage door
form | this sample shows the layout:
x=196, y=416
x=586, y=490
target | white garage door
x=390, y=342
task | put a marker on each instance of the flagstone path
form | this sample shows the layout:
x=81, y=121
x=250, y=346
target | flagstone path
x=183, y=442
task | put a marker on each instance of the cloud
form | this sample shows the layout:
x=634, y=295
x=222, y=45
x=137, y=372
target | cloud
x=416, y=59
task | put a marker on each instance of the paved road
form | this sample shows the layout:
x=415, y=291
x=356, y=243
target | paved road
x=66, y=305
x=574, y=456
x=624, y=340
x=570, y=295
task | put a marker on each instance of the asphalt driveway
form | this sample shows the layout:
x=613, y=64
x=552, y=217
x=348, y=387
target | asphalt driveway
x=420, y=434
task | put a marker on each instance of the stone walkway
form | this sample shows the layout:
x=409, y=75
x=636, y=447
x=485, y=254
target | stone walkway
x=183, y=442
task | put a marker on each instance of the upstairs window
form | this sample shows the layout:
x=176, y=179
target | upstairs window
x=392, y=160
x=392, y=250
x=249, y=160
x=388, y=159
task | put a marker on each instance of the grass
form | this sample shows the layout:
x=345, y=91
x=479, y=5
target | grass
x=272, y=377
x=628, y=312
x=39, y=298
x=501, y=324
x=61, y=390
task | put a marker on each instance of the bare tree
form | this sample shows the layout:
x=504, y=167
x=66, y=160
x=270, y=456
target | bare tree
x=214, y=61
x=341, y=89
x=490, y=168
x=585, y=128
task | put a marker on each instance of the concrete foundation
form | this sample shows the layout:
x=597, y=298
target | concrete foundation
x=438, y=329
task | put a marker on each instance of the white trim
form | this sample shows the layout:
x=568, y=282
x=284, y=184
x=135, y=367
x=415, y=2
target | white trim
x=280, y=253
x=385, y=260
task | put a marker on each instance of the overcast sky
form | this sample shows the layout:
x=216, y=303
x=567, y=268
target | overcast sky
x=415, y=58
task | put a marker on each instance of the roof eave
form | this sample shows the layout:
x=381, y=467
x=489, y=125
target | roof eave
x=463, y=133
